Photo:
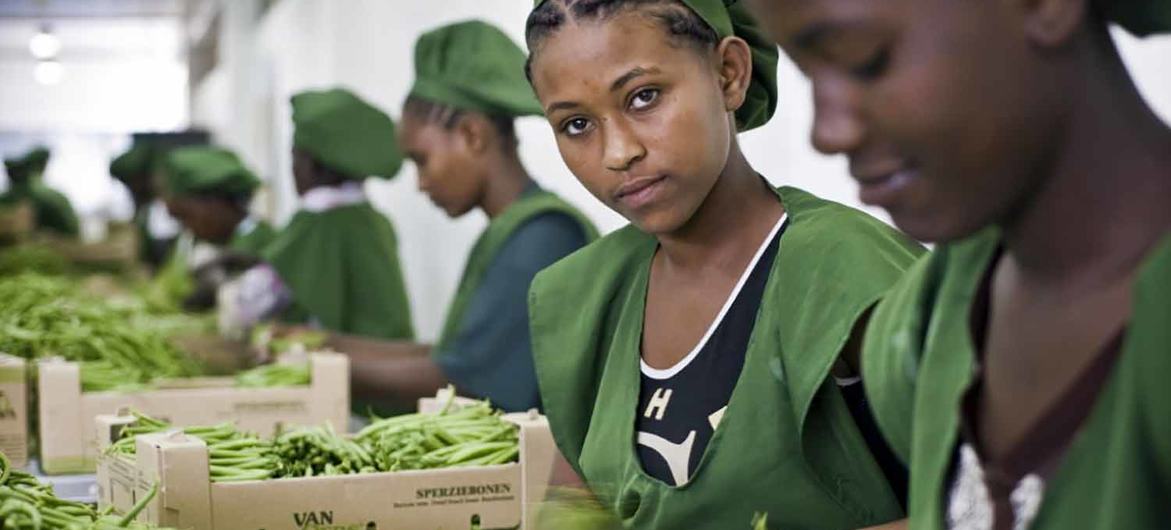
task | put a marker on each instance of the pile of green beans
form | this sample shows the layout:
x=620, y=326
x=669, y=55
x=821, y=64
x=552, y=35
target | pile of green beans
x=26, y=504
x=272, y=375
x=233, y=455
x=760, y=521
x=42, y=316
x=316, y=451
x=470, y=436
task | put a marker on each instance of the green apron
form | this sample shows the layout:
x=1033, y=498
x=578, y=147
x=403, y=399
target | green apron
x=487, y=247
x=53, y=211
x=253, y=242
x=1117, y=472
x=342, y=267
x=787, y=444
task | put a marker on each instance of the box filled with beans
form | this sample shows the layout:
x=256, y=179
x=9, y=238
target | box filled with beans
x=69, y=444
x=14, y=439
x=461, y=466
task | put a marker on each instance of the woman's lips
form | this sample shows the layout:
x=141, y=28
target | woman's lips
x=884, y=189
x=639, y=192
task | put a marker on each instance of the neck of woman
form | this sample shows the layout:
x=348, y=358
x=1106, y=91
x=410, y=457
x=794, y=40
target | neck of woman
x=505, y=183
x=1105, y=201
x=727, y=229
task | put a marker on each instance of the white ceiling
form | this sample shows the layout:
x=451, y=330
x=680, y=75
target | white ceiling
x=90, y=8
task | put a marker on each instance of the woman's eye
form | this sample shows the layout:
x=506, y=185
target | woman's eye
x=575, y=126
x=872, y=67
x=644, y=98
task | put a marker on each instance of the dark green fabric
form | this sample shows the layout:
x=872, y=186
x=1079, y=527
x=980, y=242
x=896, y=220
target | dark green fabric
x=343, y=269
x=255, y=241
x=346, y=134
x=787, y=444
x=52, y=210
x=207, y=170
x=488, y=245
x=731, y=18
x=1140, y=17
x=27, y=166
x=919, y=360
x=473, y=66
x=135, y=162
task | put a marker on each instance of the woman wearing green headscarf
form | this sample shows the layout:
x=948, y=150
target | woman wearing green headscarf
x=52, y=210
x=457, y=127
x=157, y=229
x=336, y=263
x=700, y=365
x=1022, y=370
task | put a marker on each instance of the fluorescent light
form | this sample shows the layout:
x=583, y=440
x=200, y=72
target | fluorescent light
x=49, y=72
x=44, y=45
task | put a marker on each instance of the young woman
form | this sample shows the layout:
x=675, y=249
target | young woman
x=457, y=127
x=52, y=210
x=336, y=263
x=698, y=365
x=208, y=190
x=1021, y=369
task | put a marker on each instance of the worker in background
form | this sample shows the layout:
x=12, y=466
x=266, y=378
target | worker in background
x=52, y=210
x=157, y=230
x=335, y=266
x=458, y=129
x=208, y=189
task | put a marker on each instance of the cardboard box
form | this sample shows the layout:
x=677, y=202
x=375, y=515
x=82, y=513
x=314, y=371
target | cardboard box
x=14, y=439
x=68, y=442
x=491, y=497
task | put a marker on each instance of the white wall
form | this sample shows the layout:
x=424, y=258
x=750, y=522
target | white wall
x=367, y=45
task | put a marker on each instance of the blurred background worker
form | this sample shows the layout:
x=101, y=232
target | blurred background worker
x=52, y=211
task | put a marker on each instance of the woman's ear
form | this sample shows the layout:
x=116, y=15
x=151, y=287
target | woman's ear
x=473, y=132
x=735, y=70
x=1050, y=23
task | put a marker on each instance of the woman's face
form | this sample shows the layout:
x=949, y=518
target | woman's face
x=448, y=171
x=945, y=108
x=641, y=120
x=211, y=219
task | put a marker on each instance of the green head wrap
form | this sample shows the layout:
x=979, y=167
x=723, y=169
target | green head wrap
x=207, y=170
x=135, y=162
x=346, y=134
x=31, y=164
x=473, y=66
x=730, y=18
x=1140, y=17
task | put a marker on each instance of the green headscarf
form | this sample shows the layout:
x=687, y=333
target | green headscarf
x=1140, y=17
x=473, y=65
x=197, y=170
x=31, y=164
x=135, y=162
x=346, y=134
x=730, y=18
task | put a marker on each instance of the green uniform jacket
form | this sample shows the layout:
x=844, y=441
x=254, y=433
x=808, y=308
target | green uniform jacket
x=342, y=267
x=254, y=242
x=919, y=360
x=53, y=211
x=787, y=444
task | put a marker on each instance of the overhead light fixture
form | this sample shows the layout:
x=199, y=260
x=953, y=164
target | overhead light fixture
x=49, y=72
x=44, y=45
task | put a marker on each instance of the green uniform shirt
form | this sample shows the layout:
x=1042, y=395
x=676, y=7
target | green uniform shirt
x=787, y=444
x=343, y=270
x=52, y=209
x=919, y=361
x=252, y=242
x=485, y=347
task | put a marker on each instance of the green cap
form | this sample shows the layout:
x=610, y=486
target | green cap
x=1140, y=17
x=30, y=164
x=201, y=170
x=346, y=134
x=474, y=66
x=730, y=18
x=135, y=162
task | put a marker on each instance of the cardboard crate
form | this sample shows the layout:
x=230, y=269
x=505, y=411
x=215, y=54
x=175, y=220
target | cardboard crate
x=14, y=439
x=68, y=442
x=493, y=497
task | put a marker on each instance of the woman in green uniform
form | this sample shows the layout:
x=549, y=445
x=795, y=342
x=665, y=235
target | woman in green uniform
x=208, y=189
x=698, y=366
x=457, y=127
x=52, y=210
x=157, y=230
x=1021, y=370
x=336, y=263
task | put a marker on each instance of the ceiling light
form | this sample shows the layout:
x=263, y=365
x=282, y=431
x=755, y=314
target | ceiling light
x=44, y=45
